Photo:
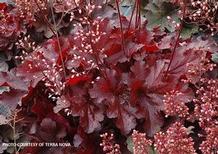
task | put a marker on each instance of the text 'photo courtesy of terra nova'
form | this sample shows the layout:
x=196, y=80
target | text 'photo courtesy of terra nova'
x=108, y=76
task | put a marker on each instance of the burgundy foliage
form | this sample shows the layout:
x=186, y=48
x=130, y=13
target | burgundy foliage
x=108, y=74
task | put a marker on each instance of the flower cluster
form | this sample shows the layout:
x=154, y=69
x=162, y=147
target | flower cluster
x=80, y=68
x=209, y=146
x=203, y=13
x=175, y=104
x=10, y=27
x=108, y=145
x=141, y=145
x=30, y=9
x=206, y=102
x=26, y=45
x=197, y=71
x=206, y=110
x=174, y=140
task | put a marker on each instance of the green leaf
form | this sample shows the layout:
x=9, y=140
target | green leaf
x=4, y=110
x=127, y=3
x=157, y=15
x=126, y=10
x=132, y=2
x=4, y=88
x=127, y=6
x=188, y=31
x=7, y=1
x=3, y=66
x=3, y=120
x=152, y=150
x=215, y=57
x=129, y=144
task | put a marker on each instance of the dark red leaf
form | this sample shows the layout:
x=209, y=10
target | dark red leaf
x=42, y=108
x=13, y=81
x=12, y=99
x=151, y=48
x=3, y=6
x=77, y=79
x=123, y=115
x=90, y=115
x=153, y=118
x=115, y=48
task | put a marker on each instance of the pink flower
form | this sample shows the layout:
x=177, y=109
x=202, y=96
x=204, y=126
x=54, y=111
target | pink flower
x=210, y=145
x=141, y=145
x=174, y=141
x=108, y=144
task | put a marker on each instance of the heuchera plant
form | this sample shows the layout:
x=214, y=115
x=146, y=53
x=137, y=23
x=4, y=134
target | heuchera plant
x=82, y=73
